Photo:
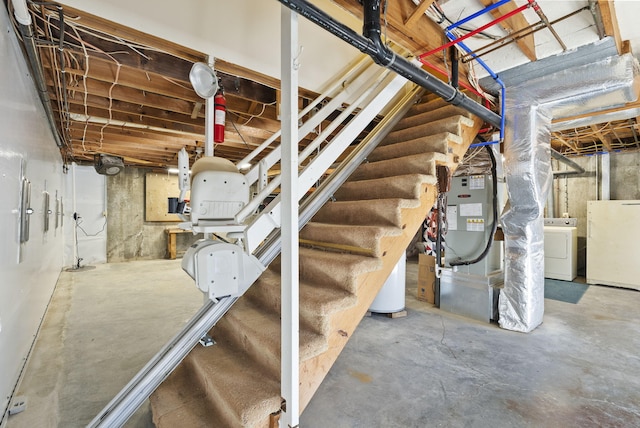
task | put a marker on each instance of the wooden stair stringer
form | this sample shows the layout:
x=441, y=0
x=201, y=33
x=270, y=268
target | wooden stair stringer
x=344, y=323
x=396, y=228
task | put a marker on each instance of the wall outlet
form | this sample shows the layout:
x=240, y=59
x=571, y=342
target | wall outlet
x=18, y=405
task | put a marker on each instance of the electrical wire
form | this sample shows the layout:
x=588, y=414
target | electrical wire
x=241, y=137
x=78, y=223
x=436, y=7
x=264, y=106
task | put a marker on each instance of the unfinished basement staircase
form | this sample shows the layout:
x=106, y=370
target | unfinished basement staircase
x=347, y=251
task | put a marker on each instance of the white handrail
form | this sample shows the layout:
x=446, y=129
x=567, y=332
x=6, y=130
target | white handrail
x=275, y=181
x=269, y=219
x=326, y=93
x=344, y=97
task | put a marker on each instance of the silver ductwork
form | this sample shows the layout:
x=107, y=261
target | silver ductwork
x=530, y=108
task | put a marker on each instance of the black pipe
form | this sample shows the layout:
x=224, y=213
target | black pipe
x=453, y=52
x=373, y=46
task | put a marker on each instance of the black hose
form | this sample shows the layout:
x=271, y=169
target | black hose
x=440, y=207
x=494, y=223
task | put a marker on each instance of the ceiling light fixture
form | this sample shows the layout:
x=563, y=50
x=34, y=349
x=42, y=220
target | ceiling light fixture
x=203, y=80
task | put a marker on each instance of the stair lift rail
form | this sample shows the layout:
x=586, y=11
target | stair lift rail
x=373, y=100
x=131, y=397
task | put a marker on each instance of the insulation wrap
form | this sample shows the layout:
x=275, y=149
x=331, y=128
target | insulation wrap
x=530, y=108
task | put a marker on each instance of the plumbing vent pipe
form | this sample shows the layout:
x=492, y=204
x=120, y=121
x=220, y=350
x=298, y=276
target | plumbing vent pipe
x=372, y=45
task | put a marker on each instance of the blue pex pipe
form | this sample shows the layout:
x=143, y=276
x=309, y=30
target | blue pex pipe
x=475, y=15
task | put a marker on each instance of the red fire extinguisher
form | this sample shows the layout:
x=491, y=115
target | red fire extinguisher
x=219, y=115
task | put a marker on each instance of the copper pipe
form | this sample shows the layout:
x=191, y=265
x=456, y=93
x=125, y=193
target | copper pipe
x=544, y=19
x=533, y=27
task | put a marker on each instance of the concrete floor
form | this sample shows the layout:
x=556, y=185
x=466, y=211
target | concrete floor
x=580, y=368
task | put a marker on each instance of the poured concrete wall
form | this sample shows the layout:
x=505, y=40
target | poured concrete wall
x=625, y=176
x=625, y=184
x=130, y=236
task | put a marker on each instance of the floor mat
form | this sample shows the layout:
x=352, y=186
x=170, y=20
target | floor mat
x=564, y=291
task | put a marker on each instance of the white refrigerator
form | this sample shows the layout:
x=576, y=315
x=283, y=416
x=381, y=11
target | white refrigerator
x=613, y=243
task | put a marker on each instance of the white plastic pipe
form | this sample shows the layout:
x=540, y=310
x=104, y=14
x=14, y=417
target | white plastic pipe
x=208, y=119
x=21, y=12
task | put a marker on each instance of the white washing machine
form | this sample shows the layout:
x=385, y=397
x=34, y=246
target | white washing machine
x=560, y=252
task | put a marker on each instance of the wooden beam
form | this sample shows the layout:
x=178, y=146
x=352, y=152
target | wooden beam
x=512, y=24
x=604, y=139
x=133, y=119
x=564, y=142
x=418, y=13
x=77, y=98
x=610, y=22
x=107, y=71
x=134, y=101
x=236, y=70
x=132, y=35
x=134, y=96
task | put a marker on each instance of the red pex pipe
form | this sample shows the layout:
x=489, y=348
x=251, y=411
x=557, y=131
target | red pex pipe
x=478, y=30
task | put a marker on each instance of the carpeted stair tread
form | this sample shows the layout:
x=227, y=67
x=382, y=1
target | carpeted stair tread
x=407, y=186
x=378, y=212
x=422, y=163
x=440, y=109
x=358, y=239
x=236, y=382
x=317, y=301
x=258, y=333
x=450, y=124
x=182, y=401
x=241, y=392
x=333, y=269
x=439, y=143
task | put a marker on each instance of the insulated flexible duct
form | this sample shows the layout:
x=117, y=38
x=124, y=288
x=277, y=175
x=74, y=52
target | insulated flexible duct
x=530, y=109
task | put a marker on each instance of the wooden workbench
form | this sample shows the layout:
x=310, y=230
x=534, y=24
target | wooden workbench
x=172, y=233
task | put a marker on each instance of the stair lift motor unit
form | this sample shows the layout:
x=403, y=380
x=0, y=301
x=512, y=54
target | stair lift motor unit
x=221, y=269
